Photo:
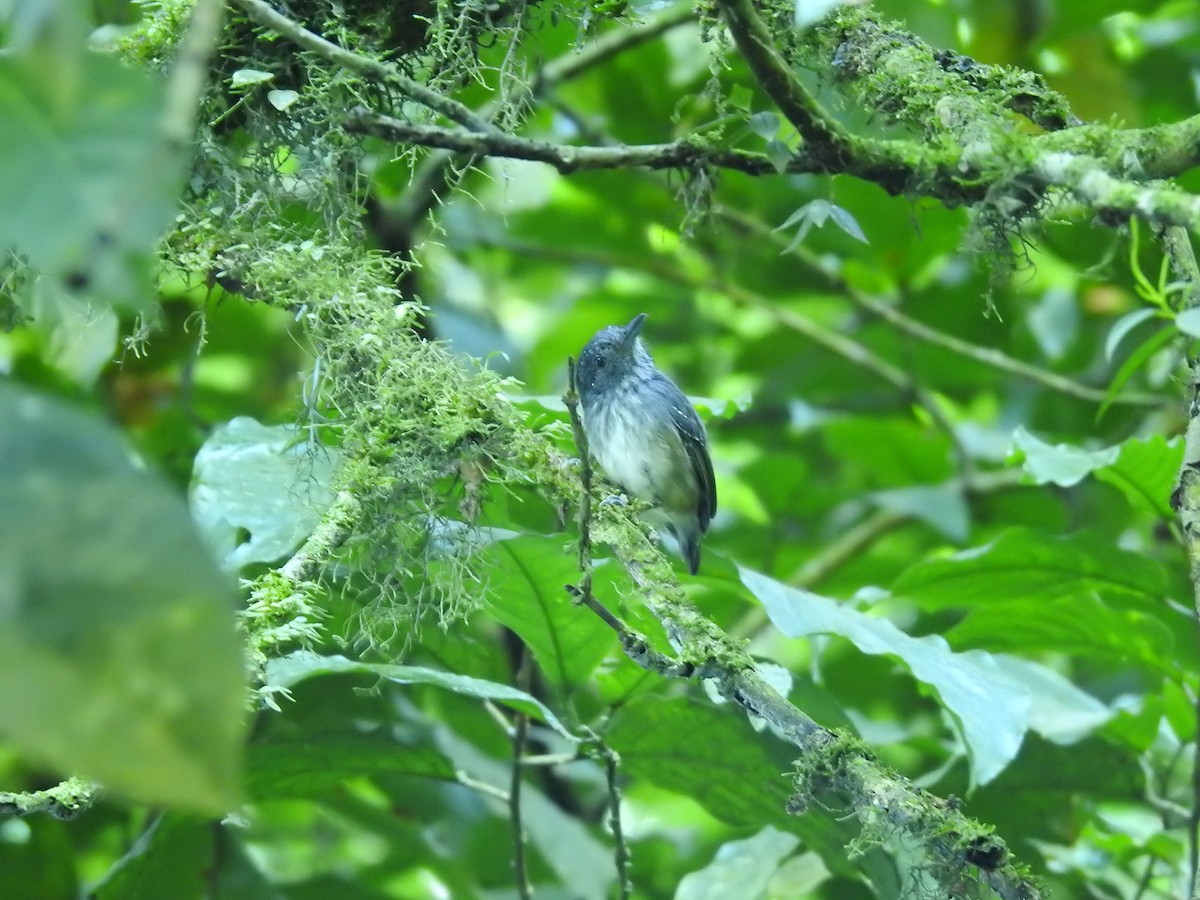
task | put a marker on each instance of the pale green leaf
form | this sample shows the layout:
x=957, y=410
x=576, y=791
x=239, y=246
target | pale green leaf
x=89, y=182
x=261, y=483
x=1188, y=321
x=1061, y=464
x=989, y=696
x=116, y=623
x=741, y=869
x=1123, y=326
x=282, y=99
x=247, y=77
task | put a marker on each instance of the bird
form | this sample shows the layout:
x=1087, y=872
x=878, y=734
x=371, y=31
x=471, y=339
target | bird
x=646, y=435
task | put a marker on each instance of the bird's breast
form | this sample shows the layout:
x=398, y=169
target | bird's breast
x=640, y=450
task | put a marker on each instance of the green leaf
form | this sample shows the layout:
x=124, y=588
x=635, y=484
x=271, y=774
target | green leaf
x=1054, y=321
x=288, y=671
x=117, y=624
x=282, y=99
x=526, y=593
x=779, y=154
x=248, y=77
x=845, y=220
x=704, y=752
x=741, y=870
x=765, y=124
x=1061, y=464
x=79, y=337
x=89, y=182
x=1122, y=327
x=1080, y=625
x=1035, y=567
x=314, y=764
x=570, y=849
x=169, y=859
x=183, y=858
x=257, y=480
x=995, y=700
x=1145, y=472
x=1188, y=321
x=1136, y=360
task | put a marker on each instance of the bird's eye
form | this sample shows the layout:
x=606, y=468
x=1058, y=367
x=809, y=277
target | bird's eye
x=601, y=363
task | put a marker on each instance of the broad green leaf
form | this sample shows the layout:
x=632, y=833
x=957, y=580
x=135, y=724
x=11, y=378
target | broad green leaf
x=1079, y=624
x=117, y=625
x=1060, y=712
x=765, y=124
x=183, y=858
x=1146, y=471
x=1061, y=464
x=990, y=697
x=261, y=481
x=169, y=859
x=526, y=593
x=89, y=180
x=1034, y=567
x=312, y=765
x=891, y=452
x=79, y=337
x=741, y=870
x=287, y=671
x=705, y=752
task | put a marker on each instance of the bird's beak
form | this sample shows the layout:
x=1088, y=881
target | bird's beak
x=632, y=330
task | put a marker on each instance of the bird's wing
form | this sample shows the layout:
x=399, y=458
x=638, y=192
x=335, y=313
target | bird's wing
x=695, y=443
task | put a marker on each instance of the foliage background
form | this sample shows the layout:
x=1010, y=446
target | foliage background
x=929, y=492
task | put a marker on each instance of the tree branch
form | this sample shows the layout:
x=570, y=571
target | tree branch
x=566, y=158
x=384, y=73
x=1178, y=246
x=63, y=801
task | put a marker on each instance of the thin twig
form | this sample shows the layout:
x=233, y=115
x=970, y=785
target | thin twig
x=490, y=790
x=520, y=734
x=571, y=401
x=567, y=158
x=621, y=854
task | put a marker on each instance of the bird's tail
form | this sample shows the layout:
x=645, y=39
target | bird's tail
x=689, y=546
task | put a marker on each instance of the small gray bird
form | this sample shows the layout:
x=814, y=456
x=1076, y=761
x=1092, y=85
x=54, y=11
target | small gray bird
x=646, y=435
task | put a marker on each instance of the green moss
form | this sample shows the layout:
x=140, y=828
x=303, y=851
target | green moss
x=154, y=39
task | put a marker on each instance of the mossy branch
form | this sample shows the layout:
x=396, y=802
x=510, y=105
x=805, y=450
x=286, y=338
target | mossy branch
x=63, y=801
